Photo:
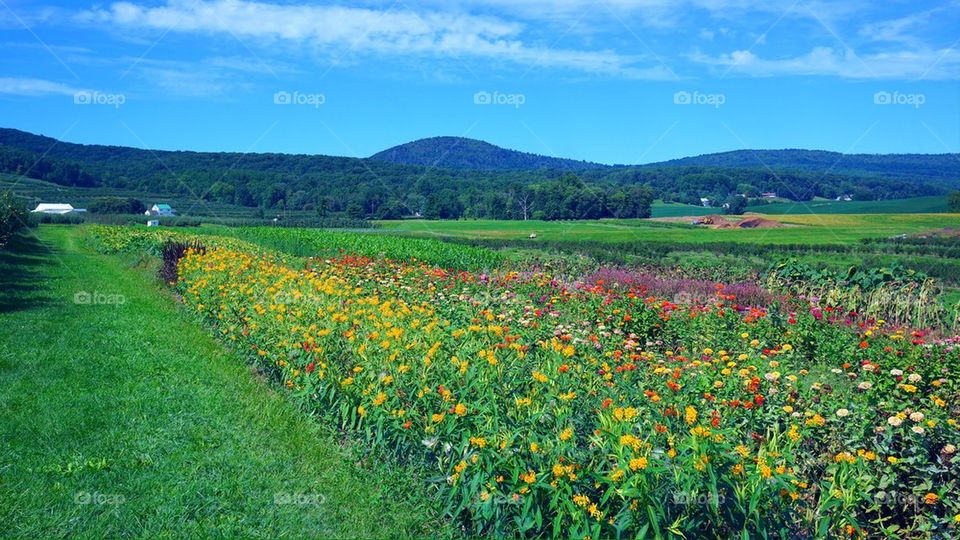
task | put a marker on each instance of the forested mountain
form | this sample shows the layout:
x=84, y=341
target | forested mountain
x=463, y=153
x=381, y=189
x=934, y=167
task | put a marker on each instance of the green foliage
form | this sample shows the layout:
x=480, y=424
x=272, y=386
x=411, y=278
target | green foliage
x=13, y=216
x=953, y=202
x=324, y=243
x=117, y=205
x=735, y=205
x=463, y=153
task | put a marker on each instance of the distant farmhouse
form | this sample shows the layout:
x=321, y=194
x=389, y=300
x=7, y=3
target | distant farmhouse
x=769, y=195
x=56, y=208
x=845, y=198
x=160, y=210
x=705, y=202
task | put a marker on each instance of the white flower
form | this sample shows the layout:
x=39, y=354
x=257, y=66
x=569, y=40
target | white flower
x=896, y=372
x=836, y=371
x=914, y=377
x=869, y=367
x=894, y=421
x=949, y=449
x=917, y=416
x=865, y=385
x=917, y=429
x=843, y=412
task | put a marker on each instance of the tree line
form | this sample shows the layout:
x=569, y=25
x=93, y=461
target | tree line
x=373, y=189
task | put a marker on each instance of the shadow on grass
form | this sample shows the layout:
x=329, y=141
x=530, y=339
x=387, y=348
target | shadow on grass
x=21, y=276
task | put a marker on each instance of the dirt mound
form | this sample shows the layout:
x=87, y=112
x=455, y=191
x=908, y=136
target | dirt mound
x=717, y=221
x=758, y=223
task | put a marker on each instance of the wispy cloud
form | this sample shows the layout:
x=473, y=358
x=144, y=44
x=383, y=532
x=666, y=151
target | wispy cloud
x=35, y=87
x=928, y=64
x=394, y=31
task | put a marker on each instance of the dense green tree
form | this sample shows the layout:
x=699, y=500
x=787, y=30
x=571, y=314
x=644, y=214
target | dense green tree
x=735, y=205
x=13, y=216
x=953, y=202
x=117, y=205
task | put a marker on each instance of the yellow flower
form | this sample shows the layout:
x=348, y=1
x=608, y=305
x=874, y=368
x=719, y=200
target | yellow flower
x=361, y=411
x=539, y=377
x=566, y=434
x=460, y=409
x=931, y=498
x=381, y=397
x=639, y=463
x=690, y=414
x=437, y=418
x=529, y=477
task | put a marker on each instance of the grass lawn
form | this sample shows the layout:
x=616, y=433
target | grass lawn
x=805, y=229
x=128, y=419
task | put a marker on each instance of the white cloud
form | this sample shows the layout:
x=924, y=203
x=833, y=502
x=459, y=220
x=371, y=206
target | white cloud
x=35, y=87
x=919, y=64
x=364, y=30
x=897, y=30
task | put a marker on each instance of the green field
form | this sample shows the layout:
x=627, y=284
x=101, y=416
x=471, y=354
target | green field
x=127, y=419
x=918, y=205
x=800, y=229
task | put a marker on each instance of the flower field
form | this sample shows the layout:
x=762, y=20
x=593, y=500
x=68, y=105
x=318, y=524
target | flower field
x=544, y=407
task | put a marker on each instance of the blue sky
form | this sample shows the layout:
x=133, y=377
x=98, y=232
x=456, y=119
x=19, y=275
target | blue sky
x=612, y=81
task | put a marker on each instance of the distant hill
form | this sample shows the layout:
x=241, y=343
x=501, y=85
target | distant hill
x=937, y=167
x=450, y=177
x=463, y=153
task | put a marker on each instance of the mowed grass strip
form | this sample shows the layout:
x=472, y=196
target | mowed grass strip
x=122, y=417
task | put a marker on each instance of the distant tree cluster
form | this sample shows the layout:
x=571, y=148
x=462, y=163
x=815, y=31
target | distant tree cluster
x=117, y=205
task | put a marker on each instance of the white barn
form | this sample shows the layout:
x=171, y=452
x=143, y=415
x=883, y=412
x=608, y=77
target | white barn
x=56, y=208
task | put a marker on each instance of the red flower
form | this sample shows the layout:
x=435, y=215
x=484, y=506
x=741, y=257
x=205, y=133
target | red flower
x=311, y=367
